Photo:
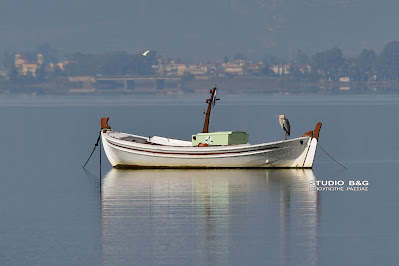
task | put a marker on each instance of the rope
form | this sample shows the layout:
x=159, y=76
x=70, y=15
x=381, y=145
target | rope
x=331, y=157
x=95, y=146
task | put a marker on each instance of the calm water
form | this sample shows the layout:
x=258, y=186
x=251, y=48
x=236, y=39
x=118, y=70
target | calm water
x=54, y=213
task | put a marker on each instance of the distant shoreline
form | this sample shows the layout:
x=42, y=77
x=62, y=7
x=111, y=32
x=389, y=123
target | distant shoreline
x=166, y=85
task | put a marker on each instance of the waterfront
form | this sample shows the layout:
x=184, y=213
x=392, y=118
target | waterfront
x=161, y=85
x=54, y=213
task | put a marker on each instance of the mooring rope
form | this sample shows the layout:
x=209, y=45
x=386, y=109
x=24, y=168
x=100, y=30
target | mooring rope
x=95, y=146
x=331, y=157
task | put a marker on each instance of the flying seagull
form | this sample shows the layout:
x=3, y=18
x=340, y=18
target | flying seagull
x=145, y=53
x=285, y=124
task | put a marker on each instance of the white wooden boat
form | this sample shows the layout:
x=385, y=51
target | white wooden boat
x=132, y=151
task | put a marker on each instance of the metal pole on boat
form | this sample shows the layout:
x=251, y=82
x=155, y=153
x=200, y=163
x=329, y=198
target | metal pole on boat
x=211, y=102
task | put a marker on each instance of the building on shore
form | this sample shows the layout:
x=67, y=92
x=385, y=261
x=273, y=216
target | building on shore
x=26, y=67
x=235, y=68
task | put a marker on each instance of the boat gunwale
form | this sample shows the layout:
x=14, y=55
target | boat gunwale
x=149, y=147
x=141, y=167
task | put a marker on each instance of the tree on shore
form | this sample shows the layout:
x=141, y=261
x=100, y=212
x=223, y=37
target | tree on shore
x=365, y=65
x=388, y=62
x=330, y=63
x=115, y=63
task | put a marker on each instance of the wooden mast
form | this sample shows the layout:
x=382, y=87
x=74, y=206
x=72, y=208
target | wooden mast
x=208, y=112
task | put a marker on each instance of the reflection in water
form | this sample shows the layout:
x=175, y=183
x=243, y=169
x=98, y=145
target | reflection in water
x=212, y=217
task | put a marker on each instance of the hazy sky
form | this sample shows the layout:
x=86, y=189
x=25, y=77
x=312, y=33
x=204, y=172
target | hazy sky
x=199, y=30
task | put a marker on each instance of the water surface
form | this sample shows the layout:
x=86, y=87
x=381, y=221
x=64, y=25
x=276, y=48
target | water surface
x=54, y=213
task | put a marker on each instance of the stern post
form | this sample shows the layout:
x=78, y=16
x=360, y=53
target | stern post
x=314, y=135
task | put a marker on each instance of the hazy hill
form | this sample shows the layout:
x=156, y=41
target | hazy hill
x=199, y=30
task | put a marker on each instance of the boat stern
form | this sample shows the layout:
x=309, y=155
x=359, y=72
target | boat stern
x=311, y=151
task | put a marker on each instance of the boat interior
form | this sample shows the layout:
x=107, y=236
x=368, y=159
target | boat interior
x=155, y=140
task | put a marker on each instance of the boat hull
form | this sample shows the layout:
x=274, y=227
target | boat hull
x=294, y=153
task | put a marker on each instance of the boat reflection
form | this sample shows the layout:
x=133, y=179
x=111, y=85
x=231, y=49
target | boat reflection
x=209, y=216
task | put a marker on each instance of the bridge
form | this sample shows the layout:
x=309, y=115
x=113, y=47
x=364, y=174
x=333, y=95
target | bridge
x=131, y=82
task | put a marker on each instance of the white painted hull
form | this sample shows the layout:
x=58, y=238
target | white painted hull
x=293, y=153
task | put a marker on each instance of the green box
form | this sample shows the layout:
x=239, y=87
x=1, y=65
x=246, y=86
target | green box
x=220, y=138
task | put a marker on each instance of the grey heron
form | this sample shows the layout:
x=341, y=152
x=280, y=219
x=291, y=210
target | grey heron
x=285, y=124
